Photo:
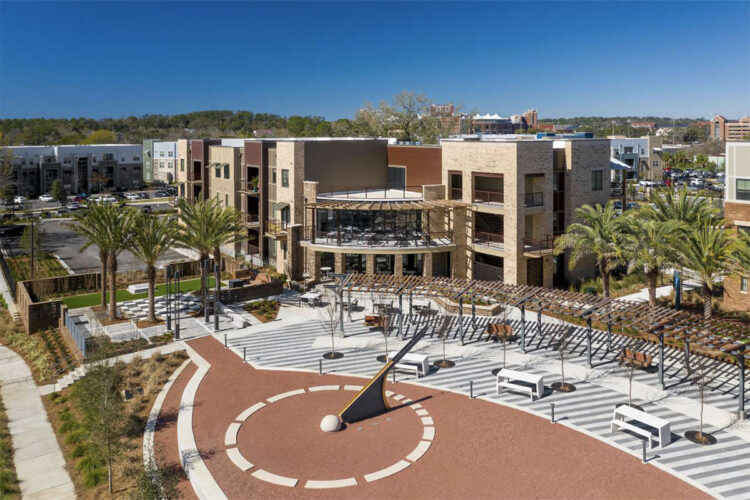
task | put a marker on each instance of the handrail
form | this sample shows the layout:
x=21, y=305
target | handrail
x=534, y=199
x=487, y=238
x=374, y=239
x=488, y=196
x=540, y=244
x=369, y=192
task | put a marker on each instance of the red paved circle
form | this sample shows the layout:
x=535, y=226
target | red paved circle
x=480, y=450
x=368, y=446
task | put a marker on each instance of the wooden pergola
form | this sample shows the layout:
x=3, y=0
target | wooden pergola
x=720, y=339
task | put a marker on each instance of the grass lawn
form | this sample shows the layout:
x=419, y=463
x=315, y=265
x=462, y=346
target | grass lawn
x=92, y=299
x=46, y=267
x=8, y=480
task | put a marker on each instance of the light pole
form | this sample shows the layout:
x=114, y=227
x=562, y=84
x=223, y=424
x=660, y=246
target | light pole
x=169, y=296
x=177, y=326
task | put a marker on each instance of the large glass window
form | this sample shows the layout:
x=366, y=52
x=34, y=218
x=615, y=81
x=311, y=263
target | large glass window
x=226, y=171
x=413, y=264
x=355, y=263
x=743, y=189
x=384, y=264
x=284, y=178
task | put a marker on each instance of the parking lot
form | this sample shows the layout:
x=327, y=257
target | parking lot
x=66, y=244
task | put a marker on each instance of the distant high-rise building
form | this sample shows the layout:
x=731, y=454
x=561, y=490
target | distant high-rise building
x=730, y=130
x=530, y=116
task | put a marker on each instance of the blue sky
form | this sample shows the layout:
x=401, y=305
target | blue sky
x=564, y=58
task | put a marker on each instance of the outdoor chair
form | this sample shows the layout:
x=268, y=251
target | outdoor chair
x=636, y=358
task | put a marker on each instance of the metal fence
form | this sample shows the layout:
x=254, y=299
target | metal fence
x=7, y=273
x=79, y=336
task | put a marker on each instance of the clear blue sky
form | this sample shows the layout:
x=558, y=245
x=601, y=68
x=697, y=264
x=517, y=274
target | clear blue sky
x=564, y=58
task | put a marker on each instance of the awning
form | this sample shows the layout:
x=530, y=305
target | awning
x=281, y=205
x=616, y=164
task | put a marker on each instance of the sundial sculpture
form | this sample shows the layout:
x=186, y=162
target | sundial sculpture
x=370, y=401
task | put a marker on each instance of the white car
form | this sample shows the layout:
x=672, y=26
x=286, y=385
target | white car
x=105, y=199
x=132, y=196
x=647, y=183
x=74, y=205
x=19, y=199
x=46, y=198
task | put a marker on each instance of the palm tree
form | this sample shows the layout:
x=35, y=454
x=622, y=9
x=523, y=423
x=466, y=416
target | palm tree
x=92, y=225
x=709, y=251
x=152, y=239
x=196, y=231
x=650, y=245
x=681, y=206
x=119, y=230
x=225, y=230
x=597, y=235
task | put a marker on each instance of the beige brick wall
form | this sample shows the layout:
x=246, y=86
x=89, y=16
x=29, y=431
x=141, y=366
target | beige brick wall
x=226, y=191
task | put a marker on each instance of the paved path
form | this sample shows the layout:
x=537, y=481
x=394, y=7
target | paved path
x=40, y=464
x=721, y=469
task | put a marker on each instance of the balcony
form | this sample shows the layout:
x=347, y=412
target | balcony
x=488, y=239
x=276, y=227
x=618, y=190
x=250, y=220
x=248, y=188
x=533, y=247
x=534, y=199
x=377, y=193
x=378, y=239
x=488, y=196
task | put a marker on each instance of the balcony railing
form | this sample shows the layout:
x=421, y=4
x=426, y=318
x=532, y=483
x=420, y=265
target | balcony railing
x=276, y=227
x=395, y=239
x=370, y=192
x=252, y=220
x=617, y=189
x=539, y=245
x=534, y=199
x=489, y=239
x=456, y=193
x=485, y=196
x=247, y=187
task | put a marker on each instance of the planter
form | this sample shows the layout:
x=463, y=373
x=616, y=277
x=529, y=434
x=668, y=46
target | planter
x=481, y=310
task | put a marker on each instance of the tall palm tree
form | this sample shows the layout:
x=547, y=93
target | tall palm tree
x=225, y=230
x=650, y=245
x=599, y=235
x=196, y=232
x=153, y=237
x=680, y=206
x=92, y=225
x=119, y=220
x=709, y=252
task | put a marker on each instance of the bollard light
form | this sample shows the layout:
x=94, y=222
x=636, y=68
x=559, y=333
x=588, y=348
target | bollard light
x=644, y=451
x=552, y=413
x=320, y=367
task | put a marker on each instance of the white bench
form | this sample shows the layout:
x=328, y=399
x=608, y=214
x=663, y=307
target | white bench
x=139, y=288
x=509, y=379
x=624, y=412
x=410, y=361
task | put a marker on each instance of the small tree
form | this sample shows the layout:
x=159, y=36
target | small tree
x=31, y=240
x=57, y=191
x=443, y=330
x=563, y=340
x=154, y=482
x=701, y=378
x=98, y=397
x=504, y=314
x=329, y=319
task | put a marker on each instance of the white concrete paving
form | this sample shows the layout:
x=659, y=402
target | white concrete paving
x=420, y=450
x=388, y=471
x=237, y=459
x=153, y=416
x=270, y=477
x=336, y=483
x=39, y=462
x=247, y=413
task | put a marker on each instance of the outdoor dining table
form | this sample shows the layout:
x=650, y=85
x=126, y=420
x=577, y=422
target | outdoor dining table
x=311, y=298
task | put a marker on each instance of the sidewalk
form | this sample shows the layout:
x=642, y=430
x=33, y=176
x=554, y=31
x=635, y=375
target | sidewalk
x=40, y=464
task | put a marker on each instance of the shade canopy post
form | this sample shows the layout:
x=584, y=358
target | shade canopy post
x=461, y=319
x=523, y=328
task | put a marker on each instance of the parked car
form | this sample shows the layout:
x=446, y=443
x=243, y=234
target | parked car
x=104, y=199
x=160, y=194
x=19, y=199
x=146, y=209
x=46, y=198
x=143, y=196
x=171, y=190
x=61, y=211
x=132, y=196
x=74, y=205
x=647, y=183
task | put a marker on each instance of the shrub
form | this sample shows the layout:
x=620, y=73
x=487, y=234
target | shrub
x=75, y=437
x=78, y=450
x=67, y=427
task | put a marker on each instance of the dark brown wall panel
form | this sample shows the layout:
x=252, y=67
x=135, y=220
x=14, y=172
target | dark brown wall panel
x=423, y=164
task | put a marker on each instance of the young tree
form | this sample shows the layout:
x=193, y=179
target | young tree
x=98, y=397
x=563, y=339
x=598, y=235
x=57, y=191
x=329, y=319
x=151, y=239
x=701, y=378
x=443, y=331
x=31, y=241
x=99, y=180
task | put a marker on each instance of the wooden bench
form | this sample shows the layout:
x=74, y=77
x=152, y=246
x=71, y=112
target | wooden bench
x=619, y=419
x=636, y=358
x=373, y=320
x=509, y=379
x=419, y=363
x=499, y=331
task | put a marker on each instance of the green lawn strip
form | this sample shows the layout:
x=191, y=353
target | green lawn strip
x=8, y=480
x=47, y=267
x=92, y=299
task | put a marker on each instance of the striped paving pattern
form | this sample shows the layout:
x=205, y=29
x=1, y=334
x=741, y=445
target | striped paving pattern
x=723, y=470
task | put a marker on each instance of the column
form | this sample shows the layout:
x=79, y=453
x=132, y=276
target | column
x=338, y=263
x=370, y=263
x=427, y=265
x=398, y=265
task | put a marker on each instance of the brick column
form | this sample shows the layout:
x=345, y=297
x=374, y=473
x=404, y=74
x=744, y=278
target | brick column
x=312, y=260
x=338, y=263
x=370, y=263
x=427, y=265
x=398, y=265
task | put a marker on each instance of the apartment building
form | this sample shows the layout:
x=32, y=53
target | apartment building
x=643, y=154
x=737, y=213
x=193, y=179
x=80, y=168
x=730, y=130
x=159, y=160
x=522, y=194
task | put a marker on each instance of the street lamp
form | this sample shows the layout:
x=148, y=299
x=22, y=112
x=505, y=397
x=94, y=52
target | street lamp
x=169, y=296
x=177, y=326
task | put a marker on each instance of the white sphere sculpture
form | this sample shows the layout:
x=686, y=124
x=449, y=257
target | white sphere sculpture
x=330, y=423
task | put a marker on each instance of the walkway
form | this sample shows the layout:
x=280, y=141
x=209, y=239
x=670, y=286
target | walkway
x=39, y=461
x=721, y=469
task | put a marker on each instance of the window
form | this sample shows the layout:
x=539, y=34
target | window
x=136, y=158
x=161, y=154
x=656, y=163
x=628, y=149
x=218, y=175
x=226, y=171
x=171, y=154
x=182, y=164
x=273, y=176
x=743, y=189
x=396, y=177
x=743, y=284
x=284, y=178
x=596, y=180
